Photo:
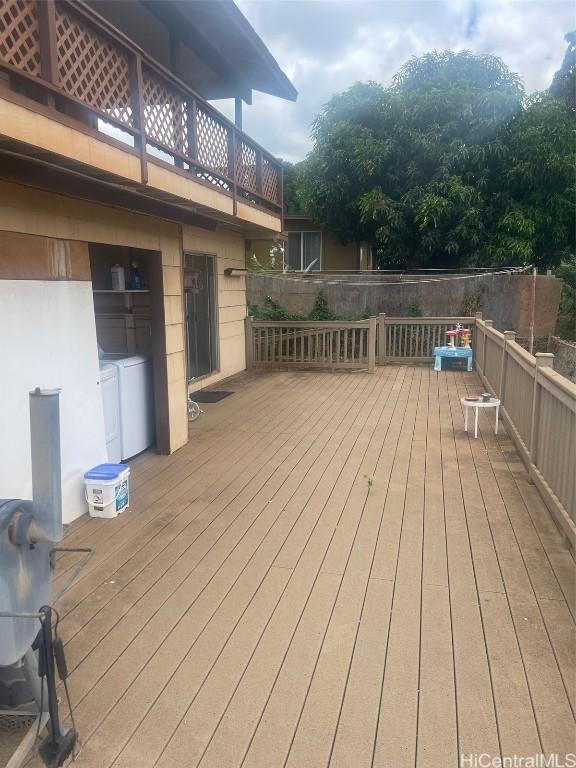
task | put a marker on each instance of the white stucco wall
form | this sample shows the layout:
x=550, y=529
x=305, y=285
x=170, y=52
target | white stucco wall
x=48, y=340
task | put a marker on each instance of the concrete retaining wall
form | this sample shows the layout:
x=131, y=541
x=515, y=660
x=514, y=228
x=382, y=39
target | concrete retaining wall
x=564, y=357
x=504, y=298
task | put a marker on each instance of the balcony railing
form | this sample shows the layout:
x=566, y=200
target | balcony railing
x=74, y=58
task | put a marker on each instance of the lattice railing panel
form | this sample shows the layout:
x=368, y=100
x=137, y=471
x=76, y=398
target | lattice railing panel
x=246, y=166
x=19, y=36
x=92, y=69
x=213, y=138
x=270, y=181
x=165, y=114
x=209, y=178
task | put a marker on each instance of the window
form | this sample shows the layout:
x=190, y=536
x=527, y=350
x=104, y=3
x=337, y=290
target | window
x=304, y=250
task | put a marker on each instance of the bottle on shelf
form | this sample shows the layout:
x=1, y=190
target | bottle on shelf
x=117, y=278
x=135, y=281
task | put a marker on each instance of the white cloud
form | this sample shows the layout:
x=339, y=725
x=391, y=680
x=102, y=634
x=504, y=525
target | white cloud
x=327, y=45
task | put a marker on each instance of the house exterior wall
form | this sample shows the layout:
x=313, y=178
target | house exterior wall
x=338, y=256
x=33, y=212
x=39, y=213
x=48, y=339
x=335, y=256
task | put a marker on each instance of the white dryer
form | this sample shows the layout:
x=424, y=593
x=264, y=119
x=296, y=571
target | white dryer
x=136, y=402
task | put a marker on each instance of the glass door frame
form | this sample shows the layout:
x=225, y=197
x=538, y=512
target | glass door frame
x=213, y=324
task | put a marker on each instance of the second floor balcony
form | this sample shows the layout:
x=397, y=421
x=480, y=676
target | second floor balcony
x=65, y=61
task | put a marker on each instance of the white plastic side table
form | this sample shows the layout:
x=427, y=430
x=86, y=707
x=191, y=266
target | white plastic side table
x=477, y=404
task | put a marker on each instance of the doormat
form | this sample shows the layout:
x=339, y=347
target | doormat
x=209, y=395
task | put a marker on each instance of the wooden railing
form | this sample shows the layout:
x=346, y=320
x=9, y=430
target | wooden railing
x=539, y=408
x=79, y=64
x=309, y=344
x=412, y=339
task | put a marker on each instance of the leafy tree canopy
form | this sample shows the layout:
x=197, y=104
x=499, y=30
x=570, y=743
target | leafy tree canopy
x=450, y=165
x=564, y=83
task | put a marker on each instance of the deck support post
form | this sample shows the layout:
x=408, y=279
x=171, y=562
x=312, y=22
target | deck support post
x=508, y=336
x=381, y=338
x=249, y=338
x=543, y=360
x=372, y=344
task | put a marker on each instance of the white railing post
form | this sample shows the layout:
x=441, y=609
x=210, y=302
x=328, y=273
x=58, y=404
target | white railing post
x=381, y=338
x=543, y=360
x=372, y=344
x=487, y=324
x=249, y=339
x=476, y=340
x=508, y=336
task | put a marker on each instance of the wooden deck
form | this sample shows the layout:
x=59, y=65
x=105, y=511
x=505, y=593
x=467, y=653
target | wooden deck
x=330, y=573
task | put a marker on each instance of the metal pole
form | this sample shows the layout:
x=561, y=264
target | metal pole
x=46, y=467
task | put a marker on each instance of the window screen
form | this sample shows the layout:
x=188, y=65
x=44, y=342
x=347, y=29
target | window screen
x=294, y=250
x=311, y=250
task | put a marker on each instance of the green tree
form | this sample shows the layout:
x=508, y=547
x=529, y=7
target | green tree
x=384, y=159
x=531, y=190
x=564, y=82
x=292, y=173
x=447, y=167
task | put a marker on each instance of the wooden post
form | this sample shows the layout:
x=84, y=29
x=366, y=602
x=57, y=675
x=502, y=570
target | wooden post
x=508, y=336
x=249, y=338
x=137, y=101
x=381, y=338
x=46, y=10
x=487, y=324
x=192, y=125
x=372, y=344
x=259, y=171
x=475, y=339
x=232, y=170
x=238, y=112
x=543, y=360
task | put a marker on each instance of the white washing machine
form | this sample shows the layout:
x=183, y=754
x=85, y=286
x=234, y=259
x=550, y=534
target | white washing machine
x=135, y=395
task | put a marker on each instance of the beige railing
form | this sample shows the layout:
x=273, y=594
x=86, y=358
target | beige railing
x=412, y=339
x=539, y=408
x=309, y=344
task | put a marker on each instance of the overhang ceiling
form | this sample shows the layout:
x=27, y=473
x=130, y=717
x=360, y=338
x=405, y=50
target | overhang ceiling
x=219, y=54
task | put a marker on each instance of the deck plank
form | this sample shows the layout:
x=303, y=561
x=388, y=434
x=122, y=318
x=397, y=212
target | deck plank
x=330, y=574
x=158, y=670
x=395, y=737
x=437, y=730
x=550, y=701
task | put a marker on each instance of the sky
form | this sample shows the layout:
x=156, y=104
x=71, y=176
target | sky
x=325, y=46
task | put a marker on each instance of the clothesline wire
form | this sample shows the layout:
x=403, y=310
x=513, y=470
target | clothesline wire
x=288, y=277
